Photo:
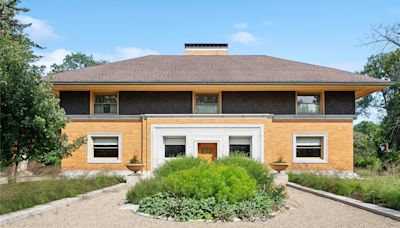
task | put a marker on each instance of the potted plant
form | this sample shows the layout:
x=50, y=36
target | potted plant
x=134, y=164
x=279, y=165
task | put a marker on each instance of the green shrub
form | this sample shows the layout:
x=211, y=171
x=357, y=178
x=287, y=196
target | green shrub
x=184, y=208
x=256, y=207
x=181, y=163
x=369, y=162
x=223, y=182
x=255, y=169
x=144, y=188
x=17, y=196
x=381, y=190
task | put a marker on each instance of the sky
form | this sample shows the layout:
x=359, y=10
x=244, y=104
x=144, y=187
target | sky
x=318, y=32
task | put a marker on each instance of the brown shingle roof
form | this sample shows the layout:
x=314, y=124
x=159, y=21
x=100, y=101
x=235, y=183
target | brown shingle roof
x=231, y=69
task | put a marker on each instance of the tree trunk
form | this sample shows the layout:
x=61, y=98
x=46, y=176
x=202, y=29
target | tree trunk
x=13, y=177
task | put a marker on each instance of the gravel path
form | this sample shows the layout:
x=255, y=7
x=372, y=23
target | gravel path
x=307, y=211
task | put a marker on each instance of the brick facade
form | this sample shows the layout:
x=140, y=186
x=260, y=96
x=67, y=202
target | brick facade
x=278, y=139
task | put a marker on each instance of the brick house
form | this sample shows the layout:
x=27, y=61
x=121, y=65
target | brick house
x=209, y=104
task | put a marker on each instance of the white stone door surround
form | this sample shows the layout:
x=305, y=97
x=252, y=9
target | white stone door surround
x=205, y=133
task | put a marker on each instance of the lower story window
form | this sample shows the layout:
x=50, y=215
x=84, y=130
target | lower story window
x=310, y=148
x=240, y=145
x=104, y=148
x=174, y=146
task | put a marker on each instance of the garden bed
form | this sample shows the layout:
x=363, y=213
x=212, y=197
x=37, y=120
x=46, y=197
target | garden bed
x=17, y=196
x=228, y=189
x=380, y=190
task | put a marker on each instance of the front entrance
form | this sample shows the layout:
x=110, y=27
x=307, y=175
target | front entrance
x=207, y=151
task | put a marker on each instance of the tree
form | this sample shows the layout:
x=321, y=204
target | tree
x=385, y=66
x=31, y=118
x=75, y=61
x=385, y=37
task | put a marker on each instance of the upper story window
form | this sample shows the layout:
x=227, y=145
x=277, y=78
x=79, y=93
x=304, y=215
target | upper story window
x=206, y=103
x=105, y=104
x=308, y=104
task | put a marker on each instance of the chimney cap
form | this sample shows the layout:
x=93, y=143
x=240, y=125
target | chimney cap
x=206, y=45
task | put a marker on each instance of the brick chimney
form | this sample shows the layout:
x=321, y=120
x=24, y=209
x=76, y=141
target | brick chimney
x=206, y=49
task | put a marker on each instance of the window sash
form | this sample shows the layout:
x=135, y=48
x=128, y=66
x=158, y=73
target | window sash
x=207, y=103
x=308, y=104
x=174, y=140
x=172, y=151
x=105, y=108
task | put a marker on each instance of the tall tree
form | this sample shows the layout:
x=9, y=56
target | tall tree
x=75, y=61
x=31, y=118
x=385, y=66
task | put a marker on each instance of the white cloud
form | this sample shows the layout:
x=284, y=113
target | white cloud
x=39, y=30
x=48, y=58
x=122, y=53
x=240, y=25
x=243, y=37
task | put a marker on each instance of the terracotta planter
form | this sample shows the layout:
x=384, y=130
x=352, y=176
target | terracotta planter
x=134, y=167
x=279, y=166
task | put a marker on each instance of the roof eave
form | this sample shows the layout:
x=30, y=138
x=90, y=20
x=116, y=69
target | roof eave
x=384, y=83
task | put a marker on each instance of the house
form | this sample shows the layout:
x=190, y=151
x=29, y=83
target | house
x=209, y=104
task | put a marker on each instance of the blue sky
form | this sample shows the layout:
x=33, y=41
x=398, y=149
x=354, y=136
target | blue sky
x=316, y=32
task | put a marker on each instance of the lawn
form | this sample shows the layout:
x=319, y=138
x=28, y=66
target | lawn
x=383, y=190
x=17, y=196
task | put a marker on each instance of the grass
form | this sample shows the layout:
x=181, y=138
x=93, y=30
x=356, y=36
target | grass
x=17, y=196
x=382, y=190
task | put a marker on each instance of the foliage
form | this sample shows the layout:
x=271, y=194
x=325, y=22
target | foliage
x=75, y=61
x=223, y=182
x=134, y=160
x=31, y=119
x=385, y=66
x=17, y=196
x=380, y=190
x=184, y=208
x=180, y=163
x=145, y=188
x=255, y=169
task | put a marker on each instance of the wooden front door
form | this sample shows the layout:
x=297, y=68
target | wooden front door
x=207, y=151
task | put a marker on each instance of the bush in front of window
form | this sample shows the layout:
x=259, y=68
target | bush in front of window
x=182, y=163
x=255, y=169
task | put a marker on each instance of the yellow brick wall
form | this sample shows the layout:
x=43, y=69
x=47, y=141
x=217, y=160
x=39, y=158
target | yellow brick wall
x=131, y=143
x=278, y=140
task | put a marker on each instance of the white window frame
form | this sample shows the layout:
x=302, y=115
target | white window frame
x=105, y=94
x=324, y=151
x=90, y=155
x=241, y=137
x=174, y=136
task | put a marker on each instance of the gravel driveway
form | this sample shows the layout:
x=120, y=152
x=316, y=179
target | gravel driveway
x=307, y=211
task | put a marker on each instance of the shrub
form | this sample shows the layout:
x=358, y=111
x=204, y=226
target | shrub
x=17, y=196
x=181, y=163
x=184, y=208
x=144, y=188
x=256, y=207
x=223, y=182
x=381, y=190
x=255, y=169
